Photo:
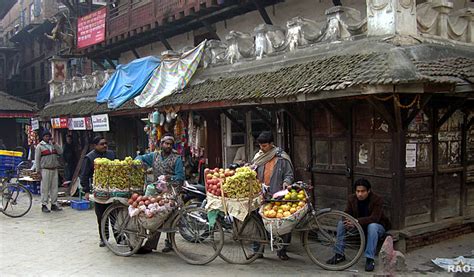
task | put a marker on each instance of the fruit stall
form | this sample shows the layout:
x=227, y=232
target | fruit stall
x=117, y=178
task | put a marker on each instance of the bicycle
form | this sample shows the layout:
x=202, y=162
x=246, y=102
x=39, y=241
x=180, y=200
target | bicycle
x=187, y=228
x=245, y=241
x=16, y=198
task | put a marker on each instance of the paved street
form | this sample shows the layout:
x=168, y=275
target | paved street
x=66, y=244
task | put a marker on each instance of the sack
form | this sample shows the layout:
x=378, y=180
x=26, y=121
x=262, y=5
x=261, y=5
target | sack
x=154, y=222
x=281, y=226
x=238, y=208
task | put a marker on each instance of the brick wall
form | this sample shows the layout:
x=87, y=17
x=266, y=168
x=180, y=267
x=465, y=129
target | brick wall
x=438, y=236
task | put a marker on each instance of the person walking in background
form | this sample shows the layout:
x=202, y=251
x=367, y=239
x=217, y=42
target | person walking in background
x=47, y=162
x=69, y=156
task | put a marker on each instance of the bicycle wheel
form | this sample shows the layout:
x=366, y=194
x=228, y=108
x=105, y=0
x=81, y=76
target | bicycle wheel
x=16, y=200
x=194, y=241
x=322, y=241
x=243, y=241
x=127, y=235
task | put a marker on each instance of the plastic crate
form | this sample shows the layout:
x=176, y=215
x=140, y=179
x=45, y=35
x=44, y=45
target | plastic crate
x=80, y=204
x=11, y=153
x=34, y=189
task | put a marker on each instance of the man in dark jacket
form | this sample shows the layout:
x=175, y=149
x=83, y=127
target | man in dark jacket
x=87, y=172
x=367, y=208
x=69, y=156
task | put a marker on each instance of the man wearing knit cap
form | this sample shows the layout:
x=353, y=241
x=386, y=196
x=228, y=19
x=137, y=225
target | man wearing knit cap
x=166, y=162
x=46, y=159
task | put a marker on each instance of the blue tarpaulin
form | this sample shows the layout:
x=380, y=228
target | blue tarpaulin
x=127, y=82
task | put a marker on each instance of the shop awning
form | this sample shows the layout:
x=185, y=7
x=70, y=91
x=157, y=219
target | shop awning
x=84, y=108
x=328, y=73
x=12, y=106
x=16, y=115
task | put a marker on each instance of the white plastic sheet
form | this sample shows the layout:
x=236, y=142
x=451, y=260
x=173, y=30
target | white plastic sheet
x=172, y=74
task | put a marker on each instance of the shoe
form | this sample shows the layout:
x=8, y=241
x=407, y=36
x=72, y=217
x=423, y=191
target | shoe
x=101, y=243
x=167, y=249
x=56, y=208
x=283, y=256
x=338, y=258
x=45, y=209
x=144, y=250
x=369, y=264
x=259, y=255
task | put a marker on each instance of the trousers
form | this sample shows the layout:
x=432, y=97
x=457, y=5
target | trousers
x=374, y=232
x=49, y=186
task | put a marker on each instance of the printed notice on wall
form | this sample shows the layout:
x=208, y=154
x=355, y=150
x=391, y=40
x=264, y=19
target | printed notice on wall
x=411, y=155
x=100, y=123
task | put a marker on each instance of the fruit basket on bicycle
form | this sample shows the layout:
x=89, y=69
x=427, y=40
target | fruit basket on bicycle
x=117, y=178
x=283, y=212
x=151, y=211
x=236, y=194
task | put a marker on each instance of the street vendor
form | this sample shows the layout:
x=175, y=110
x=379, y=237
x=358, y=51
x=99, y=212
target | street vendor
x=165, y=162
x=87, y=172
x=275, y=170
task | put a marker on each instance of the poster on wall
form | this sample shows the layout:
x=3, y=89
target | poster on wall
x=91, y=28
x=77, y=124
x=34, y=124
x=100, y=123
x=410, y=155
x=59, y=123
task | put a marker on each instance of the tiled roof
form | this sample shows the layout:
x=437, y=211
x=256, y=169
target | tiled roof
x=11, y=103
x=393, y=65
x=82, y=108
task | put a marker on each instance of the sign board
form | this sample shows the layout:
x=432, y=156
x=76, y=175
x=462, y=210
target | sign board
x=410, y=155
x=77, y=124
x=100, y=123
x=91, y=28
x=22, y=120
x=34, y=124
x=59, y=123
x=58, y=69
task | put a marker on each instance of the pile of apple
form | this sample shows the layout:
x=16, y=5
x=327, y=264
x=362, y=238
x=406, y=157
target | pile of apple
x=215, y=178
x=285, y=209
x=149, y=205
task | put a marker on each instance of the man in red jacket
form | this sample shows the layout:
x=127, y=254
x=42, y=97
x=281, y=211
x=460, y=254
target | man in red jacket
x=367, y=208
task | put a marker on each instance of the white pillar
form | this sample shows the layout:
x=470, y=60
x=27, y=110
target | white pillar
x=391, y=17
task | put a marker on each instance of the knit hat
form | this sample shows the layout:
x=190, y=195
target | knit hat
x=45, y=132
x=265, y=137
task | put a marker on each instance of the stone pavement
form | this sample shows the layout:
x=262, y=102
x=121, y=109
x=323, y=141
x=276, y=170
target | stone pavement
x=66, y=244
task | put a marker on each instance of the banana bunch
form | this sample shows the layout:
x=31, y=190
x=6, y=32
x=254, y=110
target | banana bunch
x=242, y=184
x=117, y=174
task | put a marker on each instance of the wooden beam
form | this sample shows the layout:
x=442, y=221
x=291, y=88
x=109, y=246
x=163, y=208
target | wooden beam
x=234, y=120
x=382, y=110
x=99, y=64
x=210, y=29
x=414, y=112
x=267, y=122
x=469, y=124
x=339, y=116
x=398, y=179
x=452, y=108
x=164, y=41
x=434, y=164
x=110, y=62
x=295, y=117
x=464, y=161
x=262, y=11
x=134, y=51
